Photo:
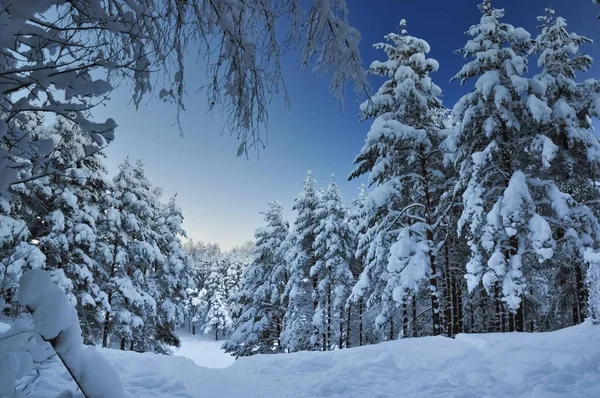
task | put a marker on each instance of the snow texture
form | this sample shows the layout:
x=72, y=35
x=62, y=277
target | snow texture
x=204, y=353
x=555, y=364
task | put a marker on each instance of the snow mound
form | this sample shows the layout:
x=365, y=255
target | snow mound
x=555, y=364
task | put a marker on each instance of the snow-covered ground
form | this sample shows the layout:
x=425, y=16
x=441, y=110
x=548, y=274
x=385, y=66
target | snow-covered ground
x=204, y=352
x=565, y=363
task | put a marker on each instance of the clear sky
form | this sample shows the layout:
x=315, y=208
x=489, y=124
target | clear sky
x=221, y=195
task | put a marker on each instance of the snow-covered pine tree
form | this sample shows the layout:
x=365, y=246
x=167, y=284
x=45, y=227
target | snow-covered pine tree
x=258, y=328
x=204, y=258
x=170, y=278
x=19, y=219
x=356, y=308
x=566, y=159
x=236, y=261
x=402, y=156
x=374, y=241
x=71, y=201
x=489, y=129
x=127, y=254
x=300, y=257
x=334, y=247
x=218, y=317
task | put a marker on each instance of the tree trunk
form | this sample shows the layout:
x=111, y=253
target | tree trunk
x=472, y=318
x=316, y=331
x=391, y=335
x=498, y=321
x=435, y=306
x=216, y=334
x=278, y=339
x=458, y=306
x=109, y=295
x=449, y=301
x=360, y=322
x=415, y=329
x=328, y=340
x=483, y=313
x=511, y=321
x=341, y=339
x=580, y=293
x=194, y=329
x=122, y=343
x=519, y=319
x=348, y=343
x=106, y=326
x=404, y=319
x=131, y=345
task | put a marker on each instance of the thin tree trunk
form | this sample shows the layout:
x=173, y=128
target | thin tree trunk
x=435, y=306
x=341, y=339
x=122, y=343
x=391, y=335
x=511, y=321
x=519, y=319
x=472, y=316
x=498, y=324
x=415, y=330
x=216, y=334
x=458, y=306
x=449, y=301
x=106, y=324
x=109, y=295
x=316, y=331
x=348, y=343
x=360, y=322
x=404, y=319
x=278, y=328
x=328, y=340
x=580, y=294
x=483, y=314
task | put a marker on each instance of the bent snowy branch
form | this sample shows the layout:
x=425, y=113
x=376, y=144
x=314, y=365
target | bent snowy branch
x=56, y=321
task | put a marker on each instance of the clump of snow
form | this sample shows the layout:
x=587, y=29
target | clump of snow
x=55, y=320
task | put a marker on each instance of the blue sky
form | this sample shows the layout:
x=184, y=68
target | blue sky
x=221, y=195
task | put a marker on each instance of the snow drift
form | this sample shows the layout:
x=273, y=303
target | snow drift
x=555, y=364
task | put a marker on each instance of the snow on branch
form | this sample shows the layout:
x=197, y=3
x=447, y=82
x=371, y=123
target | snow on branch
x=55, y=319
x=65, y=57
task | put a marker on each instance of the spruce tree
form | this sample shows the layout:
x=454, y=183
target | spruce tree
x=333, y=245
x=218, y=317
x=299, y=333
x=170, y=277
x=404, y=161
x=495, y=198
x=258, y=328
x=567, y=156
x=127, y=253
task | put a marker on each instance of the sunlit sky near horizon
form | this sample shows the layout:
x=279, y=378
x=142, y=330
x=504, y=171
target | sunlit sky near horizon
x=221, y=195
